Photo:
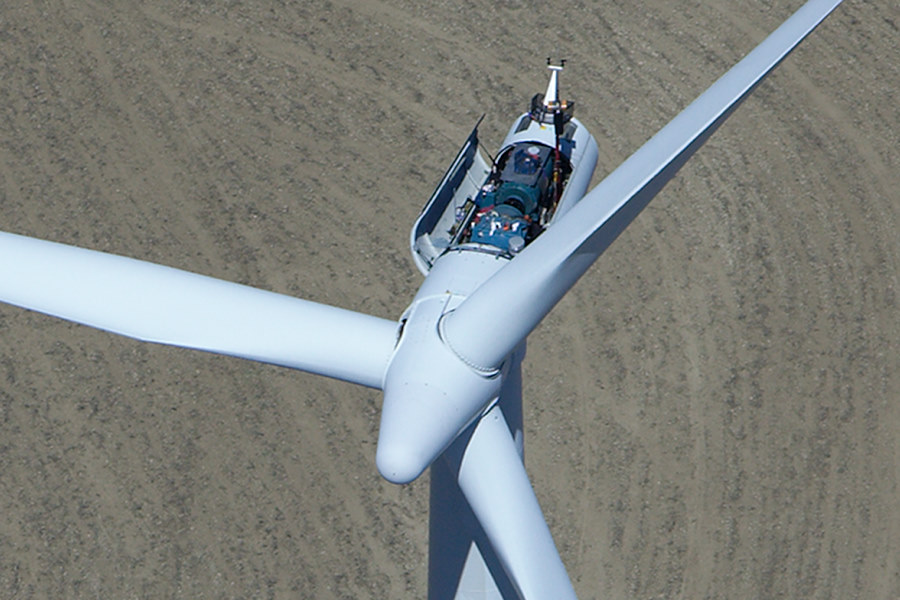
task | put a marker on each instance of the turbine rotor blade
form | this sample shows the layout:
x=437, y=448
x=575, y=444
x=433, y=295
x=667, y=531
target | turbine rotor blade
x=545, y=270
x=493, y=480
x=155, y=303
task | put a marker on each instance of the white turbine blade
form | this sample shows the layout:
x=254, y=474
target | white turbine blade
x=154, y=303
x=494, y=482
x=533, y=282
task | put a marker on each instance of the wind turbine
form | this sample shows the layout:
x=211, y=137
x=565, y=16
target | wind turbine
x=450, y=368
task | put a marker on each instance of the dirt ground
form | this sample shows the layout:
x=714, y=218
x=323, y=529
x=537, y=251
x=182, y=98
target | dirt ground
x=711, y=413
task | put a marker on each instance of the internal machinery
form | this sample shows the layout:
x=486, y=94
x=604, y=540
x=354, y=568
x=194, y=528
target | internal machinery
x=524, y=186
x=519, y=196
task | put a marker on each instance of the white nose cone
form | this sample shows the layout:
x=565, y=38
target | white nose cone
x=414, y=430
x=426, y=405
x=430, y=396
x=397, y=465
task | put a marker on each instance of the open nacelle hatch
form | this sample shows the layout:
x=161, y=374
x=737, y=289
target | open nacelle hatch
x=498, y=208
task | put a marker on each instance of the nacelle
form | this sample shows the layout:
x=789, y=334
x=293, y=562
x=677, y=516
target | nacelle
x=500, y=207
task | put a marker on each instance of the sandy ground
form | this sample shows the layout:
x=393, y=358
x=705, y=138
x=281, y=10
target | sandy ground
x=711, y=413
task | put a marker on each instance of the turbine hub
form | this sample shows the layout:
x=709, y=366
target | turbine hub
x=430, y=396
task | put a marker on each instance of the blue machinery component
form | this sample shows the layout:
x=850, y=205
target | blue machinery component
x=515, y=197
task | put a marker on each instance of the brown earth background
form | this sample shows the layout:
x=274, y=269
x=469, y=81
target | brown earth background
x=711, y=413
